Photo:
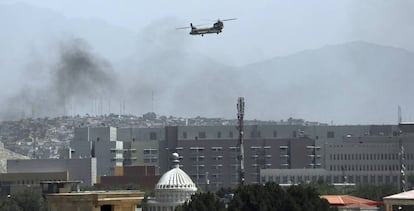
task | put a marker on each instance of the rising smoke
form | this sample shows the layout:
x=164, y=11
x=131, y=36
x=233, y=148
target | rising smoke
x=77, y=78
x=80, y=75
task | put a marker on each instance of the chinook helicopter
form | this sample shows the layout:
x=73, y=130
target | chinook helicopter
x=216, y=28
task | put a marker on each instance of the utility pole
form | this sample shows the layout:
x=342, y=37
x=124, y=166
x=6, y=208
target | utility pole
x=240, y=116
x=403, y=163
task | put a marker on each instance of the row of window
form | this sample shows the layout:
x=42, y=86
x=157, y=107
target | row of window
x=150, y=151
x=236, y=149
x=367, y=145
x=200, y=158
x=374, y=156
x=152, y=136
x=373, y=179
x=368, y=167
x=150, y=160
x=255, y=134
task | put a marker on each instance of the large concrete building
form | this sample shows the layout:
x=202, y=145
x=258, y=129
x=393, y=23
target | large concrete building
x=359, y=153
x=210, y=154
x=100, y=143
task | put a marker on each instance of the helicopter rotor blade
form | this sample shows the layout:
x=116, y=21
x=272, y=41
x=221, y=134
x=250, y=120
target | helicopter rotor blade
x=187, y=27
x=205, y=24
x=229, y=19
x=209, y=20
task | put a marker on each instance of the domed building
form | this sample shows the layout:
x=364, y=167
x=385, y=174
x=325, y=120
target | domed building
x=173, y=189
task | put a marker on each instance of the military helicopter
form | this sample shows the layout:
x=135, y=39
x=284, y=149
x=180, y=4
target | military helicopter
x=216, y=28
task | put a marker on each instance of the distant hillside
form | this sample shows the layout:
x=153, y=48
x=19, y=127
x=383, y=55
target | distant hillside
x=350, y=82
x=6, y=155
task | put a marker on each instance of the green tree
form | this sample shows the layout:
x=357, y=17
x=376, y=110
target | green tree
x=273, y=197
x=28, y=199
x=222, y=191
x=375, y=192
x=324, y=188
x=203, y=202
x=307, y=198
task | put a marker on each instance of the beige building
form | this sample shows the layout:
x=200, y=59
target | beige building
x=400, y=201
x=15, y=182
x=95, y=201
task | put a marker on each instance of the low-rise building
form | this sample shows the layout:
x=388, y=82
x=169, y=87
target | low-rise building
x=77, y=169
x=95, y=201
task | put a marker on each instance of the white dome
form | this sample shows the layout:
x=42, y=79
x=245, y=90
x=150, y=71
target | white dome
x=174, y=187
x=175, y=179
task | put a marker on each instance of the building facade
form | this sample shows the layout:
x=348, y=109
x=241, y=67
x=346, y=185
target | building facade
x=100, y=143
x=209, y=154
x=141, y=145
x=95, y=201
x=77, y=169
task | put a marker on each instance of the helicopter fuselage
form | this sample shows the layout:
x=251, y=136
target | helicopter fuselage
x=217, y=28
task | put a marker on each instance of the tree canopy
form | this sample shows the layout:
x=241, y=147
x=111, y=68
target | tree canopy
x=273, y=197
x=269, y=196
x=203, y=202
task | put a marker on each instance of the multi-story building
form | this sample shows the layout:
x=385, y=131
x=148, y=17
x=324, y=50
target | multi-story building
x=209, y=154
x=360, y=154
x=101, y=143
x=141, y=145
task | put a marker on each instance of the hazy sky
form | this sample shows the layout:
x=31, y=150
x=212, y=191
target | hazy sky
x=263, y=30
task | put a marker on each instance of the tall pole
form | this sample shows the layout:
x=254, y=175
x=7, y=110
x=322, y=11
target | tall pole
x=240, y=116
x=403, y=166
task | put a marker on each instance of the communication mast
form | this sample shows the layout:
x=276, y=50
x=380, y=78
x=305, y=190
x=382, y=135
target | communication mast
x=403, y=163
x=240, y=116
x=403, y=168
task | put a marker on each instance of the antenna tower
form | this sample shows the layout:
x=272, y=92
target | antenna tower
x=399, y=114
x=240, y=116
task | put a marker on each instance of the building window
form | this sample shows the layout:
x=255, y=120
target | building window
x=330, y=134
x=372, y=180
x=216, y=149
x=153, y=136
x=150, y=151
x=218, y=157
x=202, y=134
x=184, y=134
x=387, y=180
